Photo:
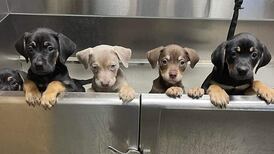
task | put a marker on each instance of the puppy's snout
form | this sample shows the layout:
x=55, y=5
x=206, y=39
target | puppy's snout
x=173, y=74
x=105, y=83
x=242, y=70
x=39, y=65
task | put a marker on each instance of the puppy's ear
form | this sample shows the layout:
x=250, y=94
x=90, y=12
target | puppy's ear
x=20, y=45
x=66, y=47
x=153, y=56
x=218, y=56
x=123, y=54
x=193, y=56
x=265, y=58
x=84, y=57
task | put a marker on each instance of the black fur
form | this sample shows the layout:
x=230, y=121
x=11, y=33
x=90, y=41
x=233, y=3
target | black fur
x=48, y=51
x=11, y=80
x=235, y=68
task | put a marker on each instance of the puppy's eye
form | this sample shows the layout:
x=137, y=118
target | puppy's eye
x=50, y=48
x=164, y=61
x=112, y=67
x=254, y=55
x=233, y=54
x=182, y=62
x=30, y=48
x=94, y=68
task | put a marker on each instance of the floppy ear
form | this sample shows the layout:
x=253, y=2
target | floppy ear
x=193, y=56
x=123, y=54
x=20, y=45
x=84, y=57
x=66, y=47
x=265, y=58
x=153, y=56
x=218, y=56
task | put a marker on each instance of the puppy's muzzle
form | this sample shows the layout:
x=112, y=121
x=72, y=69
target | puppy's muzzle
x=39, y=66
x=173, y=74
x=242, y=70
x=104, y=83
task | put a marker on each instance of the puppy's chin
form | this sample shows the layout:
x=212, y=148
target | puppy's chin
x=42, y=72
x=238, y=77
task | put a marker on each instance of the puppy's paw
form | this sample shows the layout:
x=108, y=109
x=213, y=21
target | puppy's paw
x=264, y=92
x=127, y=94
x=48, y=100
x=218, y=96
x=33, y=97
x=174, y=92
x=195, y=92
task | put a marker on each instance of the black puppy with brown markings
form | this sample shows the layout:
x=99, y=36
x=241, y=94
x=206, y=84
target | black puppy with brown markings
x=234, y=64
x=11, y=79
x=48, y=51
x=172, y=60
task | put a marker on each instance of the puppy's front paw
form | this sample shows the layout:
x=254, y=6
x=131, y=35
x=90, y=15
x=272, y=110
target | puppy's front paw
x=218, y=96
x=33, y=97
x=174, y=92
x=264, y=92
x=48, y=100
x=195, y=92
x=127, y=94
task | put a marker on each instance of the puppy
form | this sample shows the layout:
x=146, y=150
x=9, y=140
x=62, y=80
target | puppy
x=172, y=61
x=47, y=51
x=11, y=80
x=235, y=62
x=104, y=63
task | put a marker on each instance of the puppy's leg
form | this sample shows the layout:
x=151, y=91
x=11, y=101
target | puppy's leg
x=126, y=93
x=32, y=93
x=263, y=91
x=49, y=96
x=218, y=96
x=195, y=92
x=175, y=92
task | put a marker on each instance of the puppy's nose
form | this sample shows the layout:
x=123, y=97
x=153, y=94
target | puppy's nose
x=39, y=65
x=173, y=74
x=105, y=83
x=242, y=70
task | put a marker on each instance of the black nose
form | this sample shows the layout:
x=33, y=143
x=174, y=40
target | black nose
x=242, y=70
x=172, y=75
x=39, y=65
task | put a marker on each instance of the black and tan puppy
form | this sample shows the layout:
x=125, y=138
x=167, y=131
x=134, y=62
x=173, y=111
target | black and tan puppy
x=235, y=62
x=11, y=80
x=172, y=61
x=47, y=51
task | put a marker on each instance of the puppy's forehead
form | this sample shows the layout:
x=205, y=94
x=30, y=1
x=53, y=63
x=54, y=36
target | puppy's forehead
x=245, y=41
x=41, y=37
x=104, y=56
x=173, y=52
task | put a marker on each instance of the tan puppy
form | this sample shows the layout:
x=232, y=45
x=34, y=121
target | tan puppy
x=172, y=61
x=104, y=63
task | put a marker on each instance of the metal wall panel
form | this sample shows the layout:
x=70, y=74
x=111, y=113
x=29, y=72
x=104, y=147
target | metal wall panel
x=139, y=34
x=262, y=9
x=79, y=124
x=3, y=9
x=196, y=127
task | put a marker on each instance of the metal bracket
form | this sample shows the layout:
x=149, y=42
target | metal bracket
x=131, y=150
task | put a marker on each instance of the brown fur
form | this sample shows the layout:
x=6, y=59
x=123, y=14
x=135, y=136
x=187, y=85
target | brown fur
x=49, y=96
x=172, y=61
x=32, y=94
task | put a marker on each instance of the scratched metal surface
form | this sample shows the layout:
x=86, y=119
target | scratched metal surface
x=81, y=123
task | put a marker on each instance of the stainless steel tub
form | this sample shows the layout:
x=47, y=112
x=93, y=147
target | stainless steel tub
x=90, y=122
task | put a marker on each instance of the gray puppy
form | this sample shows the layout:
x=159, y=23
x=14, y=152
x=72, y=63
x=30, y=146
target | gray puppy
x=103, y=61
